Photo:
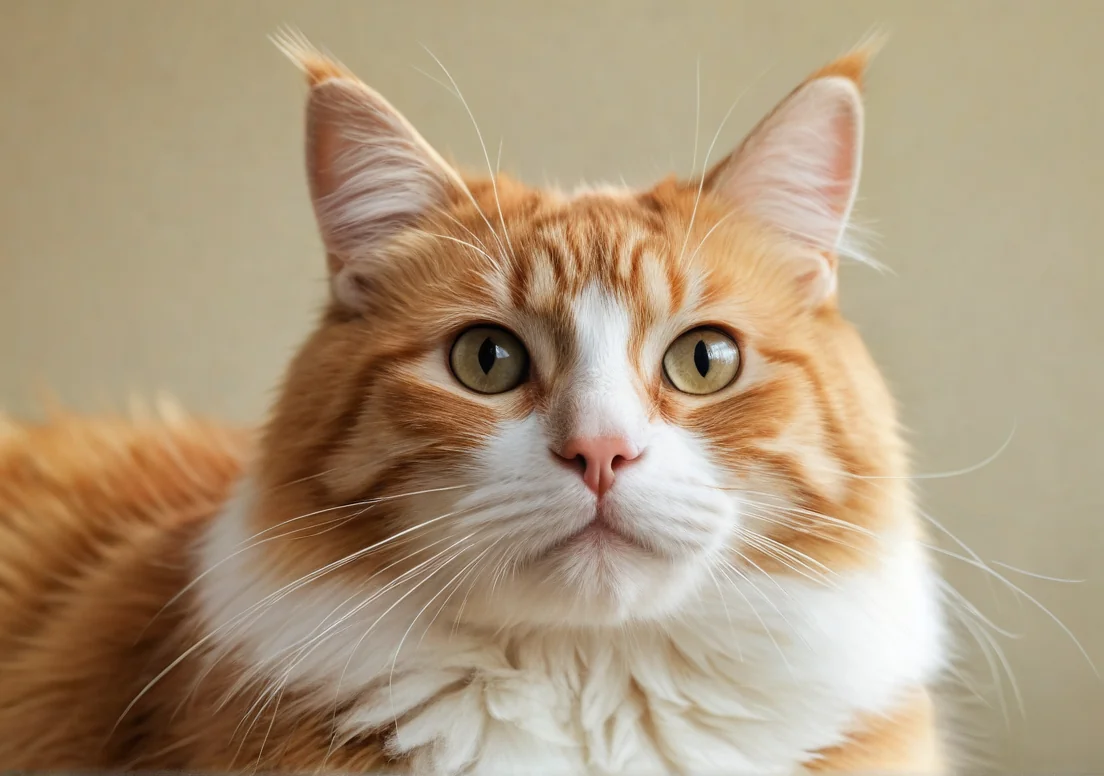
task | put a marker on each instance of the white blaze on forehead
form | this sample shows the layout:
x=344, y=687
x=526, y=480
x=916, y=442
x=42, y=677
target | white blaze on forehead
x=602, y=396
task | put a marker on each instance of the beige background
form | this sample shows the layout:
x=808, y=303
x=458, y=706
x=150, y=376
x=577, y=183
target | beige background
x=157, y=235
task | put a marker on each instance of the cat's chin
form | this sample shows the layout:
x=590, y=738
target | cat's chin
x=596, y=577
x=603, y=566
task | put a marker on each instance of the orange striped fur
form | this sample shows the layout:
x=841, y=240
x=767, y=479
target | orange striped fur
x=108, y=656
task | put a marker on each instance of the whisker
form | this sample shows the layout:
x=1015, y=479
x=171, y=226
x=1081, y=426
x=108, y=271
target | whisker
x=705, y=164
x=747, y=578
x=971, y=610
x=435, y=79
x=291, y=587
x=444, y=603
x=777, y=584
x=315, y=640
x=406, y=633
x=483, y=145
x=458, y=241
x=988, y=649
x=1035, y=575
x=818, y=516
x=317, y=573
x=276, y=693
x=368, y=502
x=948, y=474
x=805, y=528
x=769, y=546
x=724, y=568
x=697, y=115
x=466, y=191
x=973, y=620
x=701, y=179
x=321, y=632
x=976, y=561
x=724, y=602
x=388, y=610
x=717, y=225
x=463, y=603
x=300, y=480
x=470, y=233
x=989, y=459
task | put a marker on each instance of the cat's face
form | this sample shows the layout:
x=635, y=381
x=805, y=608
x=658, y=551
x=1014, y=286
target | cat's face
x=579, y=408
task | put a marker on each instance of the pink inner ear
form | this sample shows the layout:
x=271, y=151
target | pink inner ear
x=371, y=174
x=324, y=147
x=798, y=169
x=839, y=190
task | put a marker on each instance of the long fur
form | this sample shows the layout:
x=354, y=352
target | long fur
x=402, y=573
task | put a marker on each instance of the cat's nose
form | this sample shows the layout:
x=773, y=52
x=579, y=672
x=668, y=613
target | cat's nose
x=598, y=458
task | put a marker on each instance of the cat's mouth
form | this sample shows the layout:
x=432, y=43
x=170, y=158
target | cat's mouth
x=601, y=535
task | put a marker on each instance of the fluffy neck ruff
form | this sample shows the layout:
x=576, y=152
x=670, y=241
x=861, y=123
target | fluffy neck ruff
x=758, y=674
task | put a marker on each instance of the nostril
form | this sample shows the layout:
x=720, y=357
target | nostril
x=621, y=460
x=596, y=459
x=568, y=457
x=580, y=463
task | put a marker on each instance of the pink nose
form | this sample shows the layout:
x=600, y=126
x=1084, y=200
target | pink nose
x=598, y=458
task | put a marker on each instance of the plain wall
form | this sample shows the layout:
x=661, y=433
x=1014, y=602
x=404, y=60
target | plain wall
x=157, y=232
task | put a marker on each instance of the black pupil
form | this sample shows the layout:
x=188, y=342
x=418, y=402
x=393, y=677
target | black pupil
x=488, y=354
x=701, y=357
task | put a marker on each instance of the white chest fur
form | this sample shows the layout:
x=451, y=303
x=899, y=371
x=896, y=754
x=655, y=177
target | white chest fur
x=757, y=674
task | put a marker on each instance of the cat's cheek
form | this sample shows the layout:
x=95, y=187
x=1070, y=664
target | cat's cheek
x=677, y=489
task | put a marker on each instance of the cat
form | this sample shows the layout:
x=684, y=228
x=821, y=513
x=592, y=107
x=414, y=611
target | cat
x=562, y=483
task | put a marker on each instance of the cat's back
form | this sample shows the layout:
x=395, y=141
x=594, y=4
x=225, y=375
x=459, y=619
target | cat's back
x=75, y=490
x=95, y=518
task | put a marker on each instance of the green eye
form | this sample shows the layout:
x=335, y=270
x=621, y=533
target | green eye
x=702, y=361
x=487, y=359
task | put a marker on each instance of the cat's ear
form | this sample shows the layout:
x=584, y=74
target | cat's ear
x=798, y=170
x=371, y=173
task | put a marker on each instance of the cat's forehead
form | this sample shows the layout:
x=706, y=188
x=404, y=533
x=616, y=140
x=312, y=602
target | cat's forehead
x=628, y=257
x=553, y=267
x=608, y=243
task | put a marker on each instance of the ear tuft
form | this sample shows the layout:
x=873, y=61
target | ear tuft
x=798, y=170
x=371, y=175
x=318, y=66
x=854, y=63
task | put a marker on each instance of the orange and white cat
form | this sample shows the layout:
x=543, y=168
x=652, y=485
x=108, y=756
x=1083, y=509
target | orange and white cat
x=598, y=482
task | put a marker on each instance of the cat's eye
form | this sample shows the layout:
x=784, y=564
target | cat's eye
x=702, y=361
x=488, y=359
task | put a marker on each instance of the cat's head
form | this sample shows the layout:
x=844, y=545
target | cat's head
x=549, y=407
